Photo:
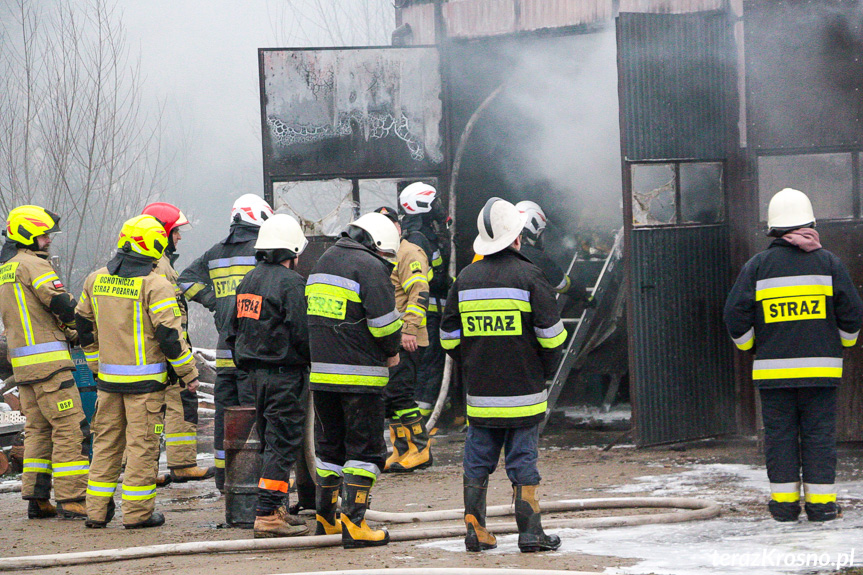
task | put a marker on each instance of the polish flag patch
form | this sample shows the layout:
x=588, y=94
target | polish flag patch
x=58, y=284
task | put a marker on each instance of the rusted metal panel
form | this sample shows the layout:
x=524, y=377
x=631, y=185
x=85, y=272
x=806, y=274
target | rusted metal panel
x=539, y=14
x=421, y=19
x=475, y=18
x=677, y=84
x=670, y=6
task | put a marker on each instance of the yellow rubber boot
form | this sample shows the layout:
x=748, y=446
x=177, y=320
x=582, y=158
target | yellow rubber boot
x=399, y=438
x=419, y=454
x=326, y=501
x=356, y=532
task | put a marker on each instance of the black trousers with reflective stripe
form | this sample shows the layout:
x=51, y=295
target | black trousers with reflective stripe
x=399, y=392
x=800, y=432
x=349, y=426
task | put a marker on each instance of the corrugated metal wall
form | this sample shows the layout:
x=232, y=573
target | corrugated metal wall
x=670, y=6
x=472, y=18
x=682, y=365
x=421, y=19
x=677, y=82
x=539, y=14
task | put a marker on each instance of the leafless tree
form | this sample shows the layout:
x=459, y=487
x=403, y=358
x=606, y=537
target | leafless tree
x=74, y=133
x=332, y=22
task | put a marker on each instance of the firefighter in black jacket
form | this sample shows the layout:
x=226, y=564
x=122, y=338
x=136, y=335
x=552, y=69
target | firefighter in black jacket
x=211, y=280
x=269, y=339
x=501, y=324
x=355, y=336
x=795, y=306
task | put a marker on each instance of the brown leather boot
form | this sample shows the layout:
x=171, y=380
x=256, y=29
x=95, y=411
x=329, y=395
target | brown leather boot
x=40, y=509
x=192, y=474
x=72, y=510
x=279, y=524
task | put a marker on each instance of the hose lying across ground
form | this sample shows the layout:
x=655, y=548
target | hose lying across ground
x=692, y=510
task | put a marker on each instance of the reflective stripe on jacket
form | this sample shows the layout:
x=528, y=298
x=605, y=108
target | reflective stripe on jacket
x=796, y=310
x=410, y=280
x=501, y=323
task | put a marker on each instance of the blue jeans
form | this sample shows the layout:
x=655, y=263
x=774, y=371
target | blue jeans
x=521, y=448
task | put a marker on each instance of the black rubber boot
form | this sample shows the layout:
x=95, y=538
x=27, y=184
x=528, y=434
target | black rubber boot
x=531, y=537
x=478, y=538
x=419, y=454
x=355, y=500
x=785, y=511
x=326, y=503
x=220, y=479
x=93, y=524
x=399, y=440
x=40, y=509
x=822, y=511
x=155, y=520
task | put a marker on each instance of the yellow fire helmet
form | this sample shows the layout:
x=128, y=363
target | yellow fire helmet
x=26, y=223
x=143, y=235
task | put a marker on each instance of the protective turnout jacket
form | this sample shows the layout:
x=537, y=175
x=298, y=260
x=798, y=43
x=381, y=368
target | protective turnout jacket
x=410, y=280
x=165, y=269
x=39, y=316
x=130, y=329
x=796, y=311
x=354, y=325
x=421, y=234
x=212, y=280
x=269, y=328
x=502, y=323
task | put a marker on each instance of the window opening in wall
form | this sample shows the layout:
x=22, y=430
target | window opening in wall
x=678, y=193
x=830, y=180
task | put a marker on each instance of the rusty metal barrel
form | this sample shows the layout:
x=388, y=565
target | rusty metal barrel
x=242, y=466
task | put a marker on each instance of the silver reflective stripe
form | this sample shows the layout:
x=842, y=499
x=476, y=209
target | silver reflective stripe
x=364, y=465
x=384, y=319
x=38, y=348
x=788, y=281
x=328, y=466
x=745, y=337
x=185, y=285
x=181, y=438
x=344, y=369
x=549, y=332
x=235, y=261
x=848, y=335
x=450, y=334
x=220, y=454
x=424, y=405
x=785, y=487
x=332, y=280
x=494, y=293
x=561, y=285
x=224, y=354
x=817, y=488
x=507, y=401
x=797, y=363
x=114, y=369
x=99, y=488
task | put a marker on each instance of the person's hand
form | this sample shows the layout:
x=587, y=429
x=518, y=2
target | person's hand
x=409, y=342
x=393, y=361
x=192, y=385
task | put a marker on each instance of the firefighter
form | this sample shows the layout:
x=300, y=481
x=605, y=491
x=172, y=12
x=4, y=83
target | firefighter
x=181, y=415
x=130, y=327
x=423, y=212
x=355, y=336
x=408, y=434
x=502, y=326
x=39, y=316
x=211, y=280
x=795, y=307
x=269, y=339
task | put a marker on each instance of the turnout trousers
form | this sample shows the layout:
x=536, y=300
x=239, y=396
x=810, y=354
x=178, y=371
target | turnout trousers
x=399, y=391
x=131, y=422
x=181, y=427
x=430, y=366
x=56, y=440
x=279, y=416
x=349, y=432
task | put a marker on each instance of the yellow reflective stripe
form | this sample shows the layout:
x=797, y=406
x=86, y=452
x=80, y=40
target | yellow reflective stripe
x=26, y=322
x=91, y=355
x=522, y=411
x=111, y=378
x=37, y=466
x=41, y=280
x=343, y=379
x=820, y=497
x=182, y=360
x=219, y=463
x=551, y=342
x=437, y=261
x=797, y=372
x=414, y=279
x=225, y=362
x=450, y=343
x=746, y=346
x=493, y=304
x=387, y=329
x=326, y=289
x=101, y=489
x=791, y=291
x=785, y=497
x=37, y=358
x=144, y=492
x=164, y=304
x=230, y=271
x=413, y=308
x=193, y=291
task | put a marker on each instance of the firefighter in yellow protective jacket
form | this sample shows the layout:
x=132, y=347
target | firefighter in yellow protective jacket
x=130, y=326
x=39, y=316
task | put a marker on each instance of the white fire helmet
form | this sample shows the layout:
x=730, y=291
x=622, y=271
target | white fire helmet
x=499, y=224
x=382, y=230
x=417, y=198
x=281, y=232
x=789, y=209
x=252, y=209
x=536, y=220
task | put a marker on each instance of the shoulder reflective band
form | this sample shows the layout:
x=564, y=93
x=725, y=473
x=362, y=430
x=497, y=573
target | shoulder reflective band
x=227, y=273
x=494, y=299
x=789, y=286
x=132, y=373
x=71, y=468
x=39, y=353
x=44, y=278
x=848, y=339
x=224, y=358
x=819, y=492
x=164, y=304
x=37, y=466
x=182, y=360
x=386, y=324
x=507, y=406
x=333, y=285
x=450, y=339
x=115, y=286
x=551, y=337
x=8, y=272
x=190, y=290
x=745, y=341
x=138, y=493
x=342, y=374
x=101, y=489
x=800, y=367
x=26, y=323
